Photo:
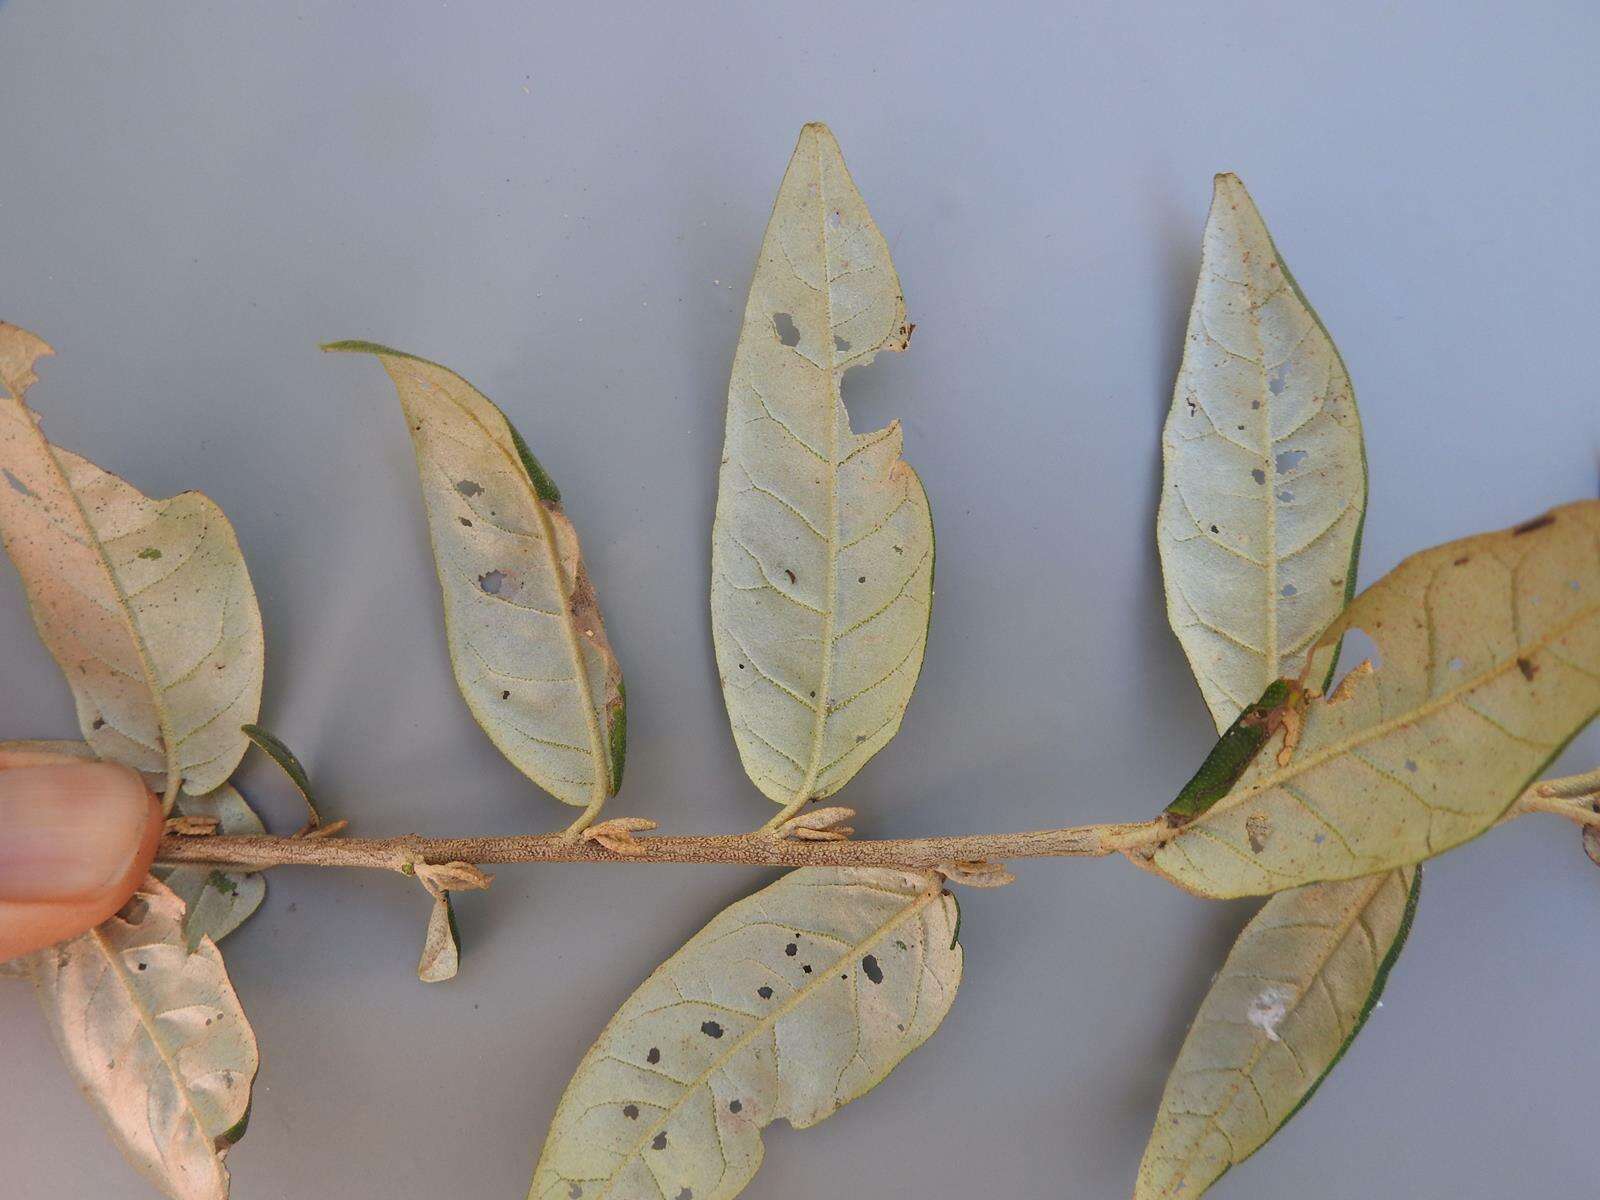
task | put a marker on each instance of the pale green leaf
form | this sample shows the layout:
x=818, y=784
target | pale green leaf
x=1300, y=982
x=1264, y=483
x=155, y=1036
x=1489, y=663
x=822, y=551
x=146, y=604
x=217, y=900
x=788, y=1005
x=521, y=618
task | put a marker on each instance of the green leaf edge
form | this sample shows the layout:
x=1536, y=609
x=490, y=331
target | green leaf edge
x=1379, y=982
x=1235, y=749
x=544, y=486
x=275, y=748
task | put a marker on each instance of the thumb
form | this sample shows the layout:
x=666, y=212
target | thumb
x=76, y=839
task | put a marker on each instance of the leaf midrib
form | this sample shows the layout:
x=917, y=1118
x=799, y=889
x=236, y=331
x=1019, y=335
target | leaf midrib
x=1341, y=932
x=169, y=745
x=767, y=1021
x=601, y=788
x=1412, y=716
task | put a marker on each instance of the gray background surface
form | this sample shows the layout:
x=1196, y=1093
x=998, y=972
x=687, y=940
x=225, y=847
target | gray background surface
x=564, y=203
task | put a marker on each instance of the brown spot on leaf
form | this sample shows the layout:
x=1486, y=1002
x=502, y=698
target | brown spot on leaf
x=1528, y=667
x=1536, y=523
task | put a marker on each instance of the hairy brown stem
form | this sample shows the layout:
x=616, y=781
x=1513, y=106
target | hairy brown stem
x=748, y=849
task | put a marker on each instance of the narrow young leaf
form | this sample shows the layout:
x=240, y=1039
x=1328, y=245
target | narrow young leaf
x=274, y=748
x=788, y=1005
x=217, y=901
x=154, y=1034
x=1298, y=985
x=1490, y=663
x=1265, y=479
x=146, y=604
x=521, y=618
x=822, y=551
x=441, y=946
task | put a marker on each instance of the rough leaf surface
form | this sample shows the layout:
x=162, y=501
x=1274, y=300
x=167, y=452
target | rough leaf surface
x=790, y=1004
x=146, y=604
x=822, y=550
x=155, y=1036
x=522, y=620
x=1300, y=982
x=1265, y=479
x=1489, y=654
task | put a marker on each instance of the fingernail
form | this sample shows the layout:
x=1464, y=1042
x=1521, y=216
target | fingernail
x=67, y=832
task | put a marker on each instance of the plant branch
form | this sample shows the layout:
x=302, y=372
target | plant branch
x=748, y=849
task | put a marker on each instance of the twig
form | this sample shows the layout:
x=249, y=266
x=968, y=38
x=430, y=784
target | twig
x=747, y=849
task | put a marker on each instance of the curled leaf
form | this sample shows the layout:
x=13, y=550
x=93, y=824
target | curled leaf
x=976, y=874
x=616, y=835
x=155, y=1036
x=146, y=604
x=1264, y=484
x=1490, y=663
x=819, y=825
x=822, y=550
x=441, y=946
x=521, y=617
x=274, y=748
x=1301, y=980
x=440, y=878
x=788, y=1005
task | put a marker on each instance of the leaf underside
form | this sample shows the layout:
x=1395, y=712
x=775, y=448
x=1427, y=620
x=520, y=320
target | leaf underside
x=154, y=1034
x=789, y=1004
x=441, y=945
x=1489, y=664
x=146, y=604
x=822, y=549
x=522, y=621
x=1300, y=982
x=1264, y=474
x=217, y=900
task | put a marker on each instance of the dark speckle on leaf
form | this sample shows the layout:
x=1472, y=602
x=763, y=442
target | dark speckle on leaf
x=631, y=1111
x=685, y=1194
x=735, y=1106
x=468, y=487
x=465, y=522
x=654, y=1056
x=791, y=949
x=150, y=552
x=659, y=1142
x=806, y=968
x=492, y=582
x=764, y=992
x=574, y=1190
x=873, y=971
x=711, y=1029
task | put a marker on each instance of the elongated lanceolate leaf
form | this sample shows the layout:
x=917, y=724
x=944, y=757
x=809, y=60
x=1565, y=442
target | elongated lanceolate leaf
x=1299, y=984
x=822, y=551
x=1489, y=663
x=146, y=604
x=523, y=624
x=155, y=1036
x=216, y=900
x=1264, y=485
x=790, y=1004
